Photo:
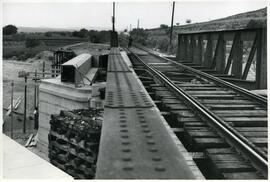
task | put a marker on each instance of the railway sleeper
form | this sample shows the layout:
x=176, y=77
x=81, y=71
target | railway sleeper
x=242, y=122
x=201, y=88
x=227, y=162
x=220, y=101
x=241, y=113
x=209, y=92
x=230, y=106
x=214, y=96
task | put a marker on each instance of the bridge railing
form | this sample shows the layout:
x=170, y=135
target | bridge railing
x=240, y=53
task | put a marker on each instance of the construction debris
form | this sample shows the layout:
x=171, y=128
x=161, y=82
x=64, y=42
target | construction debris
x=74, y=141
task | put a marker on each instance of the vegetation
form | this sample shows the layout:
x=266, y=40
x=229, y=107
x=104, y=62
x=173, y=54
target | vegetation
x=188, y=21
x=29, y=43
x=9, y=30
x=160, y=42
x=163, y=26
x=48, y=34
x=93, y=35
x=22, y=45
x=82, y=33
x=140, y=35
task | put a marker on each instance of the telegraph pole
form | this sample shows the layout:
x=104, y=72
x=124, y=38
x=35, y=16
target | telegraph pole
x=172, y=23
x=138, y=27
x=113, y=18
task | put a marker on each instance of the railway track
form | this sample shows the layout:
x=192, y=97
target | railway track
x=224, y=126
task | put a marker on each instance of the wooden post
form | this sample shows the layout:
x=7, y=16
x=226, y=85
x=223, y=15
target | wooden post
x=261, y=64
x=113, y=18
x=35, y=103
x=208, y=52
x=25, y=102
x=237, y=59
x=43, y=69
x=220, y=54
x=137, y=31
x=171, y=32
x=11, y=111
x=53, y=62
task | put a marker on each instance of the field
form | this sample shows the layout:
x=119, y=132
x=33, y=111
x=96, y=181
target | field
x=18, y=50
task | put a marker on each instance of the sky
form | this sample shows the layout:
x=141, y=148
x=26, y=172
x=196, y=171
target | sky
x=68, y=14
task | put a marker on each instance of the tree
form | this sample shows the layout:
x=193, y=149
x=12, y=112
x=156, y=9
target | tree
x=177, y=24
x=9, y=30
x=48, y=34
x=163, y=26
x=188, y=20
x=82, y=33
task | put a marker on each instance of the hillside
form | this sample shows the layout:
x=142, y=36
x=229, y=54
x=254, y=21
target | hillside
x=48, y=29
x=41, y=29
x=158, y=38
x=252, y=19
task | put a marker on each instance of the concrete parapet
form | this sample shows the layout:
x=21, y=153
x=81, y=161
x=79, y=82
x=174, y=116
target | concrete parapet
x=55, y=96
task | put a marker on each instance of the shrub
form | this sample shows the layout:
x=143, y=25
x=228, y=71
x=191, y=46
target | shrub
x=48, y=34
x=29, y=43
x=163, y=26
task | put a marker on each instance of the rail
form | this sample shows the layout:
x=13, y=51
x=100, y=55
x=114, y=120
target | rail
x=249, y=150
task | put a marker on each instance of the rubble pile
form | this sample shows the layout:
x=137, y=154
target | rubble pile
x=74, y=141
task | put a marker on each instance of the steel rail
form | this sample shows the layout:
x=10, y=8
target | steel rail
x=241, y=144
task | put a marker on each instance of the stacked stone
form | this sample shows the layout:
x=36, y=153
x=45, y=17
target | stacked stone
x=74, y=141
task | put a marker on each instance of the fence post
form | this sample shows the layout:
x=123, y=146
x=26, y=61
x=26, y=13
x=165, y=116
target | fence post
x=35, y=103
x=43, y=69
x=25, y=103
x=11, y=111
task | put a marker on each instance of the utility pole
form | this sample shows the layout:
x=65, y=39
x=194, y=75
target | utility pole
x=113, y=18
x=130, y=27
x=172, y=23
x=11, y=110
x=25, y=103
x=138, y=27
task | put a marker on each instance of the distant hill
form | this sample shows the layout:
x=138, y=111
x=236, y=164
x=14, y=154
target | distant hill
x=41, y=29
x=48, y=29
